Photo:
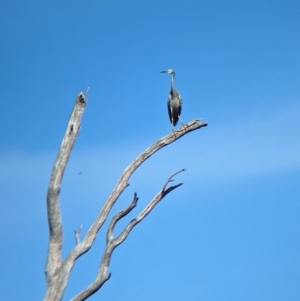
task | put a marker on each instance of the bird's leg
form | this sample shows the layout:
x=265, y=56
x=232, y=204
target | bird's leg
x=184, y=126
x=173, y=130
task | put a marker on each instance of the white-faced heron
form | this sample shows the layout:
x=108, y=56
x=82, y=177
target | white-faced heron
x=174, y=101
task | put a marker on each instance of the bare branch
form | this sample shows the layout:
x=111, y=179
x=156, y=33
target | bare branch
x=123, y=183
x=77, y=235
x=120, y=215
x=148, y=208
x=112, y=243
x=171, y=178
x=53, y=262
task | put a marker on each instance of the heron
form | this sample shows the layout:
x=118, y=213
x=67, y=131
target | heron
x=174, y=101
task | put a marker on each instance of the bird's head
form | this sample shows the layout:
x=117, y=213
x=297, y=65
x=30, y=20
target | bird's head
x=170, y=71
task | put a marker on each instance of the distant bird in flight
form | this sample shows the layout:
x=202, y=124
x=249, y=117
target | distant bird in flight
x=174, y=101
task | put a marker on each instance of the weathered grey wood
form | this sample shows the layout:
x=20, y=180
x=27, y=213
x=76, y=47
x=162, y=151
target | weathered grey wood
x=54, y=262
x=112, y=243
x=123, y=182
x=58, y=270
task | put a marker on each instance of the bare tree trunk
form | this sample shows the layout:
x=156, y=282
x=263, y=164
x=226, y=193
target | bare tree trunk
x=56, y=283
x=58, y=270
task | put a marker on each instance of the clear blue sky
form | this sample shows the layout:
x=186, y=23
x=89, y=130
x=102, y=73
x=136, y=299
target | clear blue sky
x=231, y=232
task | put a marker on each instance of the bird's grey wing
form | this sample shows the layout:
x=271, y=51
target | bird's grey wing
x=179, y=110
x=180, y=105
x=169, y=107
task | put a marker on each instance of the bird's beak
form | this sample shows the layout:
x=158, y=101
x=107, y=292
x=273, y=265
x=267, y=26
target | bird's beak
x=165, y=71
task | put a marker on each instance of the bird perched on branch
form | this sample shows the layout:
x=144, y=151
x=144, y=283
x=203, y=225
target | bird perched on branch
x=174, y=101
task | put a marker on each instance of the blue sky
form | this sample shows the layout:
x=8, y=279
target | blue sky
x=231, y=232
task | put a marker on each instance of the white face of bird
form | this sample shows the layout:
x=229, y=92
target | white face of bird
x=170, y=71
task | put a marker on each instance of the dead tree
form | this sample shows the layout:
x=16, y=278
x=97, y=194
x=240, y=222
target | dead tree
x=58, y=270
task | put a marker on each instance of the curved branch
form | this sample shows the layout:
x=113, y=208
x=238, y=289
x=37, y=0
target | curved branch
x=148, y=208
x=87, y=242
x=112, y=243
x=118, y=216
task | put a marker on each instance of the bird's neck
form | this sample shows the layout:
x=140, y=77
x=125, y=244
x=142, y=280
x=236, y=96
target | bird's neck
x=172, y=81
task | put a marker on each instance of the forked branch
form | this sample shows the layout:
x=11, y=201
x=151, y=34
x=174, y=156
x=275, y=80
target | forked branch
x=77, y=235
x=111, y=242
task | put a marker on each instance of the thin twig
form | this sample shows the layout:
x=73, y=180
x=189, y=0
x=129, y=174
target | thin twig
x=77, y=235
